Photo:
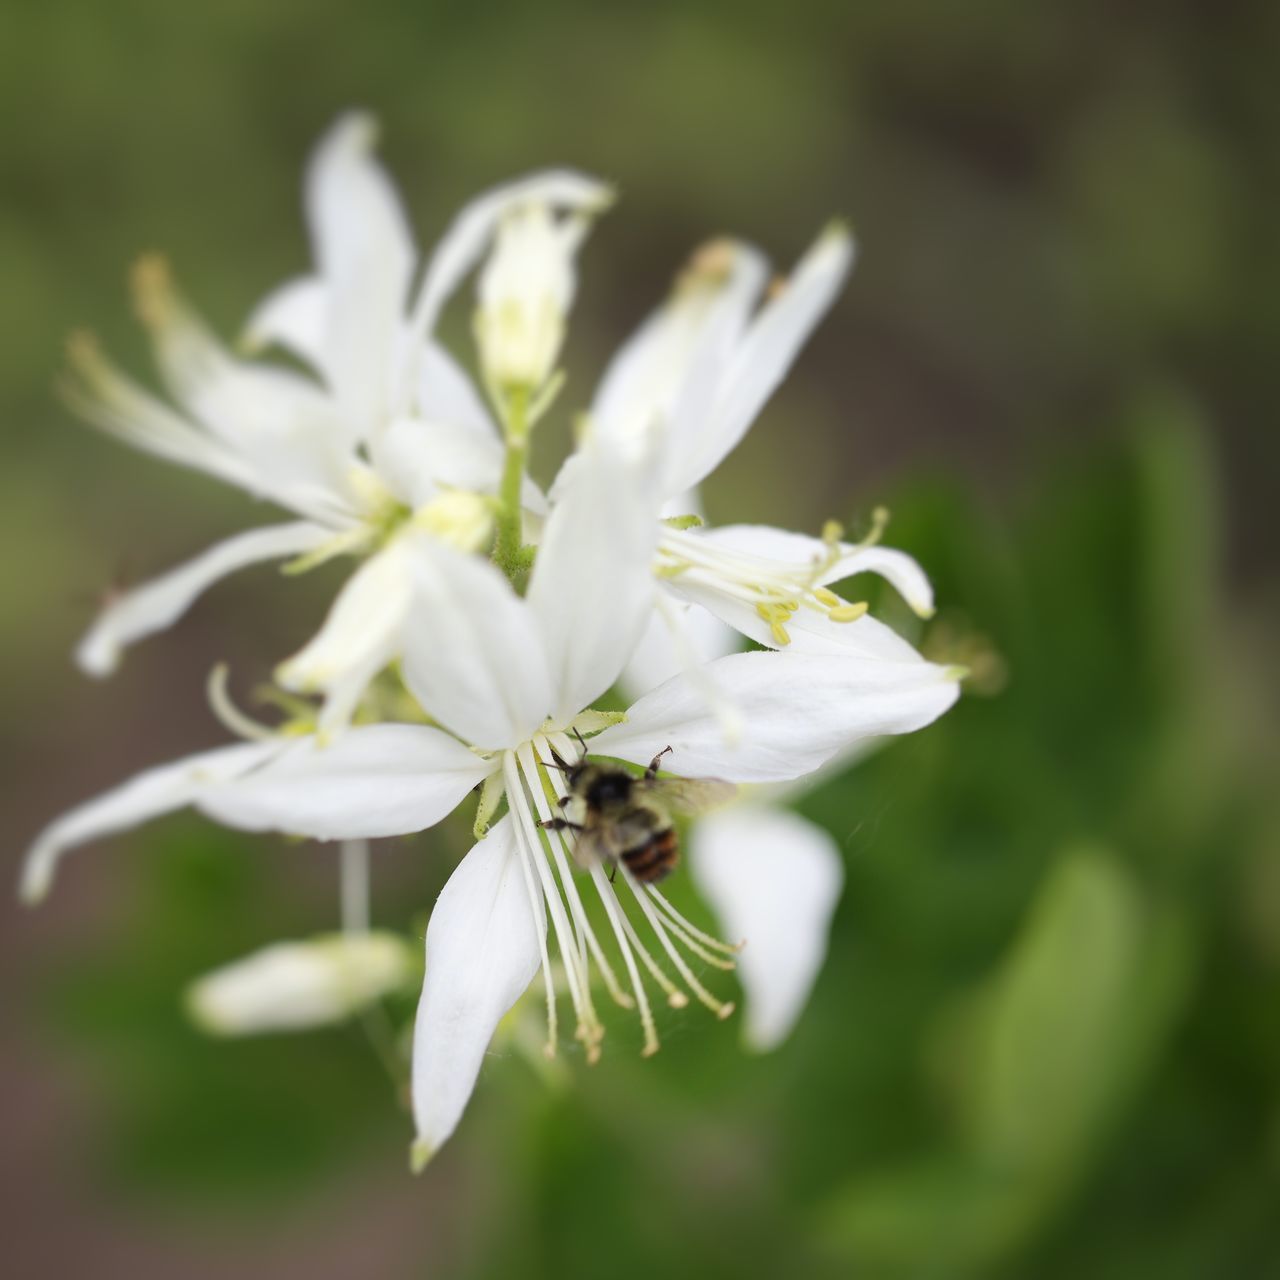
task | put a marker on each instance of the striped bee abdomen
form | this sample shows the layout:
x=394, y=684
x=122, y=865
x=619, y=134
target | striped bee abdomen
x=654, y=859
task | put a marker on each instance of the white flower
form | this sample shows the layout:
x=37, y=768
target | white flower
x=388, y=436
x=294, y=986
x=507, y=679
x=679, y=396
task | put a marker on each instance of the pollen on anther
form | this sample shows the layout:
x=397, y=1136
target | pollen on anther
x=848, y=612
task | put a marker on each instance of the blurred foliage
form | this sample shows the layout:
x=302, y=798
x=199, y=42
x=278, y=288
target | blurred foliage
x=1047, y=1040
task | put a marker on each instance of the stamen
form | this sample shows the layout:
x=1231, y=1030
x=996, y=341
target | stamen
x=539, y=786
x=232, y=718
x=705, y=938
x=618, y=920
x=675, y=997
x=589, y=1029
x=538, y=919
x=720, y=1008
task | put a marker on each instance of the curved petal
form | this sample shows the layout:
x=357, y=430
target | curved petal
x=147, y=795
x=293, y=317
x=161, y=602
x=363, y=628
x=799, y=710
x=468, y=236
x=483, y=949
x=365, y=253
x=766, y=352
x=294, y=986
x=472, y=653
x=375, y=780
x=592, y=586
x=773, y=879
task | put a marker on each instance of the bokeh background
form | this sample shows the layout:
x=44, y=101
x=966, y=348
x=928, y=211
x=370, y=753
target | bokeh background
x=1047, y=1041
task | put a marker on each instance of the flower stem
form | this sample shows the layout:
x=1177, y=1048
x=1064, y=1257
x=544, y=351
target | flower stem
x=508, y=549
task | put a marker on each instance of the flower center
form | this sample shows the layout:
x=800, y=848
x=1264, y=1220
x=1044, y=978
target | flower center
x=776, y=589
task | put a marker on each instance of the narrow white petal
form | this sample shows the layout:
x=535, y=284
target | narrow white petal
x=766, y=352
x=161, y=602
x=468, y=236
x=773, y=879
x=472, y=653
x=148, y=795
x=363, y=627
x=592, y=586
x=294, y=986
x=664, y=377
x=483, y=949
x=375, y=780
x=365, y=254
x=799, y=710
x=294, y=317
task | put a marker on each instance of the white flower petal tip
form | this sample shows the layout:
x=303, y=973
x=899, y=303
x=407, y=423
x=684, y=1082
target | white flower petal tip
x=421, y=1153
x=777, y=878
x=297, y=986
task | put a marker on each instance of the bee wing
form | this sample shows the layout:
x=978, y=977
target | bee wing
x=589, y=848
x=691, y=796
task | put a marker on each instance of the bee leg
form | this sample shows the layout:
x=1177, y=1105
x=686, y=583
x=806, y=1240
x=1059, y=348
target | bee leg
x=560, y=824
x=613, y=873
x=582, y=743
x=652, y=771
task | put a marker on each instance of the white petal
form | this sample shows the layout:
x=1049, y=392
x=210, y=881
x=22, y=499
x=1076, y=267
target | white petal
x=773, y=880
x=416, y=459
x=662, y=654
x=468, y=236
x=472, y=653
x=592, y=586
x=148, y=795
x=446, y=394
x=483, y=950
x=365, y=254
x=294, y=317
x=293, y=986
x=375, y=780
x=768, y=349
x=364, y=625
x=161, y=602
x=664, y=377
x=799, y=710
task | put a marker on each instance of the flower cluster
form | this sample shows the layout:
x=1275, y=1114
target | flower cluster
x=484, y=620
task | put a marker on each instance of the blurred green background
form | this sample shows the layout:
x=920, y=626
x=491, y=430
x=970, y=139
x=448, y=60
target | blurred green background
x=1047, y=1040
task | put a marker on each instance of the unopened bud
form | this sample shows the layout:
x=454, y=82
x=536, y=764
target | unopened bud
x=525, y=291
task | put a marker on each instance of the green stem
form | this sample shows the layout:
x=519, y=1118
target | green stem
x=507, y=546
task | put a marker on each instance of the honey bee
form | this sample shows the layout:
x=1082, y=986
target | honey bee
x=620, y=818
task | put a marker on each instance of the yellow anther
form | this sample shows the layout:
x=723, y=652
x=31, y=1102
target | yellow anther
x=827, y=598
x=779, y=633
x=879, y=522
x=152, y=285
x=848, y=612
x=832, y=531
x=711, y=263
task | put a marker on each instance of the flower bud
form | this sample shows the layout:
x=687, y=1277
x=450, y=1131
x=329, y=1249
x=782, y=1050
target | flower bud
x=291, y=986
x=525, y=291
